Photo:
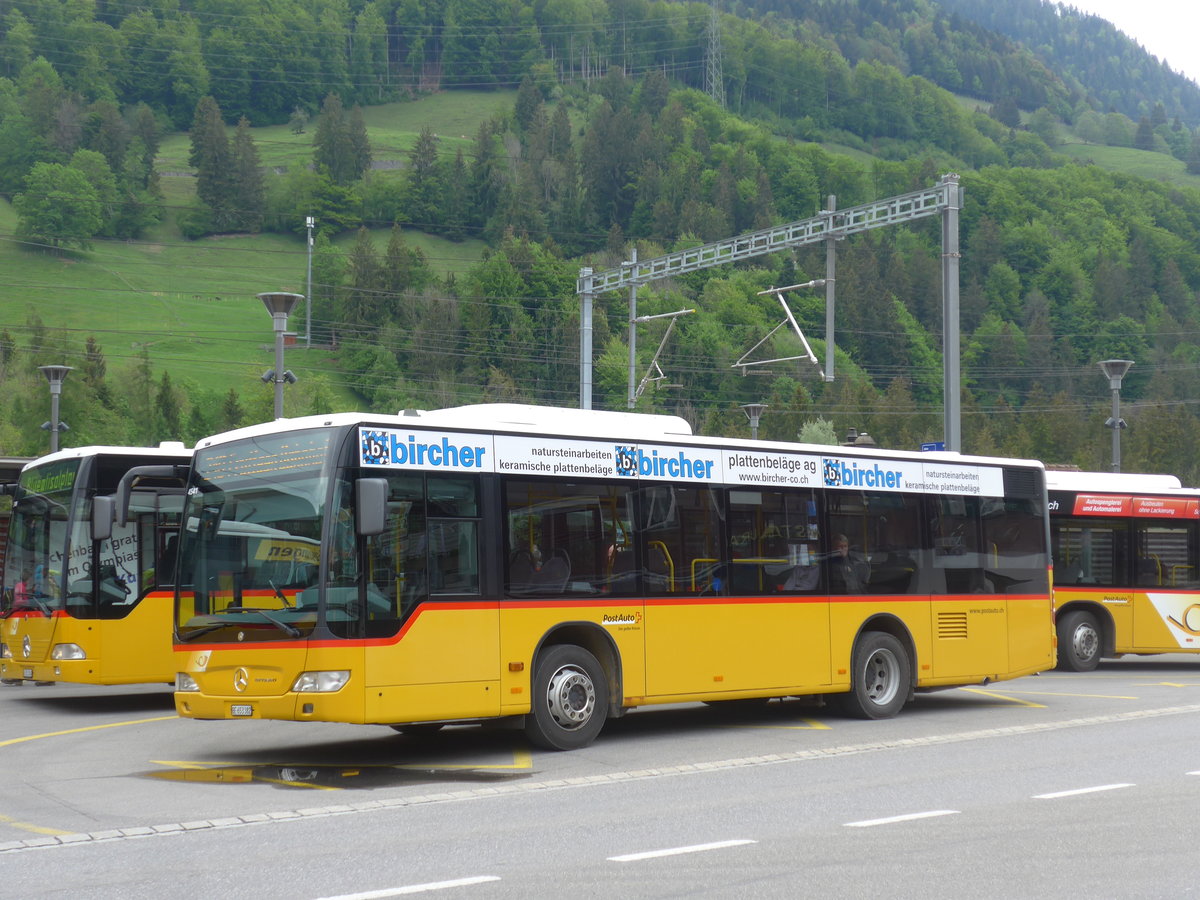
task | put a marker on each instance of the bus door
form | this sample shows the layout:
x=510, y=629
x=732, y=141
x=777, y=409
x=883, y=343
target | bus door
x=431, y=639
x=743, y=608
x=126, y=590
x=1092, y=567
x=970, y=615
x=1166, y=607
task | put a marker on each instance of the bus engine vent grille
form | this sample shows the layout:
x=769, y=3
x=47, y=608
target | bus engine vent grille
x=1022, y=483
x=952, y=626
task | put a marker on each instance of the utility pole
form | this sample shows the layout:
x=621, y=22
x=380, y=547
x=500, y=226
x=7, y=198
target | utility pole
x=309, y=222
x=714, y=78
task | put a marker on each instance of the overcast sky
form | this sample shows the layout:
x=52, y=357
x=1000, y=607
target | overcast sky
x=1170, y=29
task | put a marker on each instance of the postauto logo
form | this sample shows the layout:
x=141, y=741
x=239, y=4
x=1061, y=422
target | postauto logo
x=852, y=474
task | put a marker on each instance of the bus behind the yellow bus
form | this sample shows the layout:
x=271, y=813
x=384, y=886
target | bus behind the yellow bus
x=86, y=594
x=1126, y=553
x=558, y=567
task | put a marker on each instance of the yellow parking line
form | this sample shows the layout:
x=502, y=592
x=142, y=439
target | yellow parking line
x=36, y=829
x=1008, y=697
x=50, y=734
x=1072, y=694
x=809, y=725
x=522, y=759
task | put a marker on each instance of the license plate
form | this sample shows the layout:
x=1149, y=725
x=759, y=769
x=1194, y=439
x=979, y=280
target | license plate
x=28, y=673
x=241, y=709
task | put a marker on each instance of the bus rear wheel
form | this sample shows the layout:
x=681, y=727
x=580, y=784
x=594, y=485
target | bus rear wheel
x=570, y=699
x=1079, y=642
x=880, y=677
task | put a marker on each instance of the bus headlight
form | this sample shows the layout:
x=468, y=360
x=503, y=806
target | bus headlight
x=320, y=682
x=185, y=682
x=67, y=651
x=5, y=653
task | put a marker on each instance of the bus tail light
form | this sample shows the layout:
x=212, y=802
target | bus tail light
x=321, y=682
x=67, y=651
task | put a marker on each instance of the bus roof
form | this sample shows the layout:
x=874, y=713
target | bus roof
x=164, y=451
x=515, y=418
x=1110, y=482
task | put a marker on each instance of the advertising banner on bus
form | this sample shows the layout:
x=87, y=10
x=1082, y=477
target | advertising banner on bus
x=557, y=457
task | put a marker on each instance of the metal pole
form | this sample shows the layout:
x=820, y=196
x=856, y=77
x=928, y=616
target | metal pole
x=279, y=304
x=309, y=222
x=280, y=321
x=55, y=392
x=585, y=339
x=830, y=294
x=950, y=314
x=54, y=375
x=1116, y=415
x=632, y=398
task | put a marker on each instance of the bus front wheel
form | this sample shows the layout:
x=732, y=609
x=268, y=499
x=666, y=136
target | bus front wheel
x=880, y=677
x=570, y=699
x=1079, y=642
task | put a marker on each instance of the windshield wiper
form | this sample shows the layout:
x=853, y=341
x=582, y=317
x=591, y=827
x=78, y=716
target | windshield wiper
x=289, y=630
x=278, y=593
x=200, y=632
x=44, y=608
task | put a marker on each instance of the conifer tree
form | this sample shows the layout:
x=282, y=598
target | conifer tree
x=212, y=159
x=247, y=179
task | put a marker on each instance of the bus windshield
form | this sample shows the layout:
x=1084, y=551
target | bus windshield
x=37, y=542
x=250, y=543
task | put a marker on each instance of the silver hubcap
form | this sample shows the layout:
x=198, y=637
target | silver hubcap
x=881, y=677
x=1085, y=642
x=571, y=697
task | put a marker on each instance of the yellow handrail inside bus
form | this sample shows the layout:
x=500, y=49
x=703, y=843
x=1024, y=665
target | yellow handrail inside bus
x=698, y=561
x=670, y=562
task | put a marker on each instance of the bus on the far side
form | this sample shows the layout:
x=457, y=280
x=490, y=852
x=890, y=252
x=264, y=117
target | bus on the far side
x=90, y=557
x=1126, y=552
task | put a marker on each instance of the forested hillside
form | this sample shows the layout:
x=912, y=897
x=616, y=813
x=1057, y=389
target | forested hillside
x=619, y=136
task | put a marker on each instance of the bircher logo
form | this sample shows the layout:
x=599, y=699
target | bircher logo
x=627, y=461
x=374, y=446
x=839, y=473
x=420, y=450
x=633, y=618
x=673, y=463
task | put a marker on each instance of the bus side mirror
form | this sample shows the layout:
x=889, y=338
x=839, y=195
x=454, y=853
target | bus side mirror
x=370, y=496
x=103, y=509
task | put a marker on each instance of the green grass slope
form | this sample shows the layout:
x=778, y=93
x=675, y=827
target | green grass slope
x=192, y=305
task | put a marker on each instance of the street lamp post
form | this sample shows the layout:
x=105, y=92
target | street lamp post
x=1114, y=370
x=54, y=375
x=279, y=305
x=753, y=412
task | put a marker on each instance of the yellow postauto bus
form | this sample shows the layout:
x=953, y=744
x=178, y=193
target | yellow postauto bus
x=559, y=567
x=86, y=593
x=1126, y=551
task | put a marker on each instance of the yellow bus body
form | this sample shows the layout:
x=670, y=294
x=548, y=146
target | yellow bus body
x=465, y=661
x=135, y=649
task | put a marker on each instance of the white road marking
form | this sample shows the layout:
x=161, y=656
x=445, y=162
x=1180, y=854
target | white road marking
x=1078, y=791
x=676, y=851
x=908, y=817
x=415, y=888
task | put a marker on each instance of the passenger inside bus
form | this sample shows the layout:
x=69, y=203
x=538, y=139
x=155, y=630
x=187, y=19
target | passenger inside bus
x=848, y=570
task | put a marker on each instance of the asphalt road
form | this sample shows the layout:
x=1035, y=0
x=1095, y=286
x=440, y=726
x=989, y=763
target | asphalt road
x=1041, y=787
